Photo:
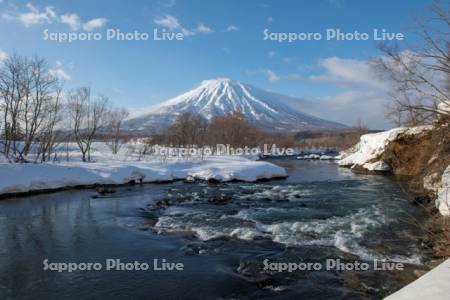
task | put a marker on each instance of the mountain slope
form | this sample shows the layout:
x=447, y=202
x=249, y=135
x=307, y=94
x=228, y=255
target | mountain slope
x=220, y=96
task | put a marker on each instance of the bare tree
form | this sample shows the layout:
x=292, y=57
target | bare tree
x=47, y=138
x=11, y=96
x=87, y=115
x=188, y=130
x=28, y=93
x=233, y=129
x=42, y=103
x=115, y=121
x=420, y=76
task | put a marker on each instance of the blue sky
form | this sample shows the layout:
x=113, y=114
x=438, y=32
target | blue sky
x=225, y=39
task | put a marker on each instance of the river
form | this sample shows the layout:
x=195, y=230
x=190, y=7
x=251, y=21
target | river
x=222, y=234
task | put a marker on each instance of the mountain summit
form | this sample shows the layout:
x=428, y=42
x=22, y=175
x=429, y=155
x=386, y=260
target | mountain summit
x=220, y=96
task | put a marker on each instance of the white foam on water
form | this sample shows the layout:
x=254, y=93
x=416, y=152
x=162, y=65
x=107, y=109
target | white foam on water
x=278, y=192
x=246, y=233
x=347, y=243
x=179, y=210
x=342, y=232
x=206, y=233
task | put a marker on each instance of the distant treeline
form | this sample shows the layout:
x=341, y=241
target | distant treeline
x=233, y=129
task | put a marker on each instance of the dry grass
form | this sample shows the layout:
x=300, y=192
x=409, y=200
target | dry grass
x=421, y=158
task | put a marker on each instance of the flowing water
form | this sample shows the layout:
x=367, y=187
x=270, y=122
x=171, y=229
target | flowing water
x=221, y=233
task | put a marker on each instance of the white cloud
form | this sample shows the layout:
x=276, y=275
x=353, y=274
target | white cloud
x=94, y=24
x=3, y=55
x=59, y=73
x=173, y=24
x=202, y=28
x=168, y=21
x=349, y=107
x=35, y=16
x=73, y=20
x=364, y=96
x=187, y=32
x=231, y=28
x=272, y=76
x=7, y=17
x=348, y=72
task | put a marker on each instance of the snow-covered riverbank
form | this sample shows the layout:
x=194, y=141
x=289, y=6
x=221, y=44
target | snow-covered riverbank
x=371, y=146
x=22, y=178
x=369, y=155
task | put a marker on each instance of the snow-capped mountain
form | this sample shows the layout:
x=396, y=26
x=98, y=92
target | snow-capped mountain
x=221, y=96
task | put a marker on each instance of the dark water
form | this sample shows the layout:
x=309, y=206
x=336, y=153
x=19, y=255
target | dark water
x=222, y=233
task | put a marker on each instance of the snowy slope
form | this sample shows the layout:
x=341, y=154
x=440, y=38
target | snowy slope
x=220, y=96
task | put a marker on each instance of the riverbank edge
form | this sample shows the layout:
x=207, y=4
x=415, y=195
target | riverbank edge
x=100, y=186
x=422, y=158
x=22, y=179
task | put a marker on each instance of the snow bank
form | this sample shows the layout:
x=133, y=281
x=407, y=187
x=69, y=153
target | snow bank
x=377, y=166
x=432, y=285
x=233, y=168
x=444, y=107
x=443, y=199
x=16, y=178
x=372, y=145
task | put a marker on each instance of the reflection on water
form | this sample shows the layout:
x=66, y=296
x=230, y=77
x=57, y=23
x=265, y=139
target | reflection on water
x=222, y=233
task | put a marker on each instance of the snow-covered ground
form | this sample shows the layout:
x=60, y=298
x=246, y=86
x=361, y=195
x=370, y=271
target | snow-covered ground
x=125, y=167
x=371, y=146
x=443, y=200
x=432, y=285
